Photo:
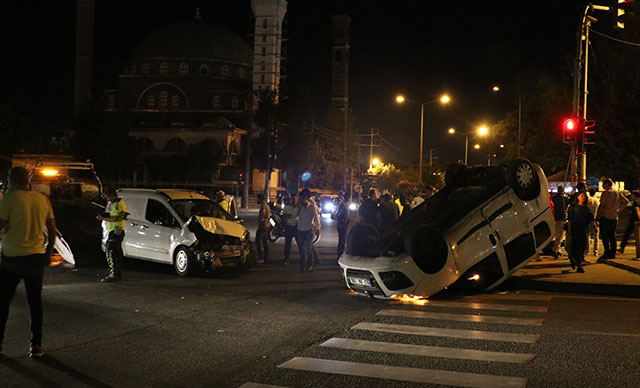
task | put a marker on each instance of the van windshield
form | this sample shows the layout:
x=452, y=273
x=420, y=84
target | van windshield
x=199, y=207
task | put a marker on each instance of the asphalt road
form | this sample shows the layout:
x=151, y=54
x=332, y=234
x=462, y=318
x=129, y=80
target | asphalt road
x=267, y=326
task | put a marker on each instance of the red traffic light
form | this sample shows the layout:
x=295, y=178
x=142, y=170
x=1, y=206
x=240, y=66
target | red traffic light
x=569, y=125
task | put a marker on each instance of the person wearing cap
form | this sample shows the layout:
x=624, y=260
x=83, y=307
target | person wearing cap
x=116, y=211
x=24, y=216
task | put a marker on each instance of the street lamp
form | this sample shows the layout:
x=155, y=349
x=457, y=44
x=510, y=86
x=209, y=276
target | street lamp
x=481, y=131
x=496, y=89
x=444, y=99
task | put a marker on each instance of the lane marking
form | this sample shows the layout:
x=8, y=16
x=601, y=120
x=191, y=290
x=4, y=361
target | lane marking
x=461, y=317
x=428, y=351
x=487, y=306
x=257, y=385
x=597, y=297
x=414, y=375
x=526, y=297
x=453, y=333
x=609, y=334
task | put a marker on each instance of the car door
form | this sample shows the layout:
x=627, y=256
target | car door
x=156, y=232
x=510, y=224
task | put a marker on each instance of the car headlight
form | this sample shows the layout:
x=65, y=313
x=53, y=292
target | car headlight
x=329, y=207
x=353, y=206
x=245, y=236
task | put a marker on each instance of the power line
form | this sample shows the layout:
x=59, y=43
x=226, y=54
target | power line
x=616, y=39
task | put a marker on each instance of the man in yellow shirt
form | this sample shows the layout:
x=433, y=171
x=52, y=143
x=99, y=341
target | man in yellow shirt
x=24, y=214
x=117, y=212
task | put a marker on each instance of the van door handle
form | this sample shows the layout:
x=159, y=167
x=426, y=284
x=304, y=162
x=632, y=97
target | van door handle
x=134, y=224
x=493, y=240
x=144, y=227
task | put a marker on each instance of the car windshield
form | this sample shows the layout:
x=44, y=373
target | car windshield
x=199, y=207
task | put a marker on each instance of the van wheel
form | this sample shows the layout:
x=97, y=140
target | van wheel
x=184, y=262
x=523, y=178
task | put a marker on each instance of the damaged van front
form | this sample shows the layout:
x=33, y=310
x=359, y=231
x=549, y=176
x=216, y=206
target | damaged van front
x=183, y=228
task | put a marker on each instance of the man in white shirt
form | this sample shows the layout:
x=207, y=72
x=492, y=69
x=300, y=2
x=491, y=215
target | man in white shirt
x=308, y=224
x=611, y=203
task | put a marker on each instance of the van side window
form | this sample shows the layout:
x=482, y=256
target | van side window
x=159, y=214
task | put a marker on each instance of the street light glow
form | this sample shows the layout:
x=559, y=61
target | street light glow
x=400, y=99
x=452, y=130
x=477, y=146
x=375, y=161
x=483, y=131
x=496, y=88
x=445, y=99
x=501, y=145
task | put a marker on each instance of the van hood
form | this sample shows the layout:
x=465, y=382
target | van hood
x=220, y=226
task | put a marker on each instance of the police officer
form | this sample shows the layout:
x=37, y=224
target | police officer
x=116, y=212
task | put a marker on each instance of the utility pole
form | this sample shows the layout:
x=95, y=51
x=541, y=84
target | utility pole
x=431, y=157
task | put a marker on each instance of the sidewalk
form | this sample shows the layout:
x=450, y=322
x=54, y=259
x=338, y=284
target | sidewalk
x=618, y=277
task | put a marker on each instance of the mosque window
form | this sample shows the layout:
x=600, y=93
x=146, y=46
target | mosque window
x=134, y=69
x=164, y=68
x=241, y=72
x=265, y=22
x=151, y=101
x=262, y=79
x=204, y=69
x=264, y=39
x=175, y=101
x=111, y=102
x=264, y=51
x=145, y=68
x=216, y=102
x=224, y=70
x=183, y=68
x=262, y=65
x=234, y=103
x=162, y=101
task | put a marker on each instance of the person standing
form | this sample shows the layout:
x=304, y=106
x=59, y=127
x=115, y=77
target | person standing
x=117, y=211
x=25, y=214
x=592, y=233
x=262, y=244
x=369, y=209
x=611, y=203
x=222, y=201
x=290, y=226
x=342, y=222
x=316, y=232
x=308, y=224
x=560, y=204
x=634, y=217
x=388, y=213
x=579, y=220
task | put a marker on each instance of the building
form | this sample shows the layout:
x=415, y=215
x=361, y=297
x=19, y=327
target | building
x=186, y=91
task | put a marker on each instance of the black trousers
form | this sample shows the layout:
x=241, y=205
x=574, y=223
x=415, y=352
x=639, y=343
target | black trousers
x=342, y=239
x=290, y=232
x=628, y=230
x=608, y=236
x=115, y=257
x=578, y=246
x=31, y=270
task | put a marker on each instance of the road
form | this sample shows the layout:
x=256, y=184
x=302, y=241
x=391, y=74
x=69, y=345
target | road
x=275, y=325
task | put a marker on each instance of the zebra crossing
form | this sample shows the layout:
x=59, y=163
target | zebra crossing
x=414, y=322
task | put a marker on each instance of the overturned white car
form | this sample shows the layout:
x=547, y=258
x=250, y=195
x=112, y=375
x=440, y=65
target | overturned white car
x=183, y=228
x=484, y=225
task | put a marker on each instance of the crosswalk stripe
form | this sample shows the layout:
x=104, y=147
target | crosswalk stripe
x=453, y=333
x=484, y=306
x=461, y=317
x=428, y=351
x=256, y=385
x=415, y=375
x=523, y=297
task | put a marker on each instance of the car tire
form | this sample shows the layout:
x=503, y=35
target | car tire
x=523, y=178
x=428, y=249
x=361, y=240
x=184, y=262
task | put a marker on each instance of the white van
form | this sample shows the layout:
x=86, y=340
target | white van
x=183, y=228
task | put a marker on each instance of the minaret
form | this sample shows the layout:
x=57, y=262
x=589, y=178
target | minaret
x=340, y=62
x=267, y=47
x=84, y=53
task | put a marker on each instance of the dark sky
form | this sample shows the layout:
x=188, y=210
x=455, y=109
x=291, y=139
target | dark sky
x=418, y=47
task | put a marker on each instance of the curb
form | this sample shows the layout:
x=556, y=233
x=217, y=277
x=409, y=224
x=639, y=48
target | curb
x=623, y=266
x=520, y=282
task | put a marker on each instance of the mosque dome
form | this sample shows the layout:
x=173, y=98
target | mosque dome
x=194, y=38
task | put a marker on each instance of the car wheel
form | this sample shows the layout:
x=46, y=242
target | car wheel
x=274, y=233
x=523, y=178
x=184, y=262
x=428, y=249
x=361, y=240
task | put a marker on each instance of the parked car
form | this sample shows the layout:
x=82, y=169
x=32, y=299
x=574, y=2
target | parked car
x=183, y=228
x=484, y=225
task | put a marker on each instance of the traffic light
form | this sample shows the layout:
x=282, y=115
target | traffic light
x=624, y=11
x=570, y=130
x=588, y=124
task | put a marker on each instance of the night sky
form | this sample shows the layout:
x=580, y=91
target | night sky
x=417, y=47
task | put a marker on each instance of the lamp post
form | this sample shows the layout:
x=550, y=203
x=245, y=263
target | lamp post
x=444, y=99
x=482, y=131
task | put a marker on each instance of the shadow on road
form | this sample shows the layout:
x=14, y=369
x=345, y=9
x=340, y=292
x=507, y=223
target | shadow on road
x=27, y=372
x=54, y=363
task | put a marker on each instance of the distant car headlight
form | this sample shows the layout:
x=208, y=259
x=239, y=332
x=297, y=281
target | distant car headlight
x=353, y=206
x=329, y=207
